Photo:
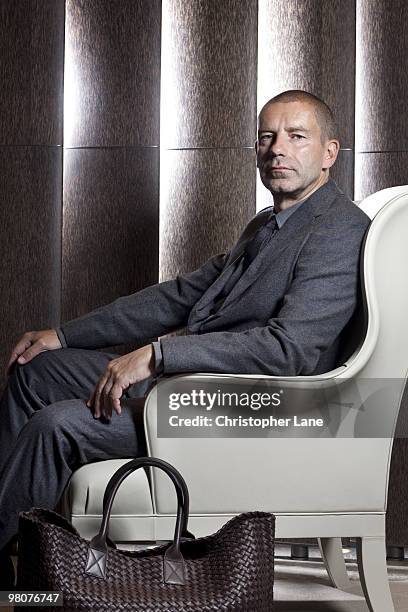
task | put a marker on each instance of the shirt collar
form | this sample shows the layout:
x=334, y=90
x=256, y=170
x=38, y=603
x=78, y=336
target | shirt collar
x=318, y=197
x=283, y=215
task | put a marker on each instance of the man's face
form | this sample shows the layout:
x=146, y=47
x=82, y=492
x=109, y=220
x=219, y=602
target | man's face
x=291, y=156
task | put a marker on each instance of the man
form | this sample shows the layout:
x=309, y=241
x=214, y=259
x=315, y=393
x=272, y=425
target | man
x=275, y=304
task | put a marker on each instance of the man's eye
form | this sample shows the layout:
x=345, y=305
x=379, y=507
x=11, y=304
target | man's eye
x=296, y=136
x=265, y=138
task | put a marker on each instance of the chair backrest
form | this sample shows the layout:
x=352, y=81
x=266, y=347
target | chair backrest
x=385, y=259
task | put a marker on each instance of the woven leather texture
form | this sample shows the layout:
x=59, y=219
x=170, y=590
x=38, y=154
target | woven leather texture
x=229, y=571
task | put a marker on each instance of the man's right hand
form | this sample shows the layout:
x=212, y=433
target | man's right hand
x=31, y=344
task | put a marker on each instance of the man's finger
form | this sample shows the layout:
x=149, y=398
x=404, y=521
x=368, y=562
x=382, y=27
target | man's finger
x=31, y=344
x=90, y=401
x=106, y=407
x=96, y=401
x=30, y=353
x=97, y=394
x=96, y=404
x=114, y=396
x=117, y=407
x=16, y=352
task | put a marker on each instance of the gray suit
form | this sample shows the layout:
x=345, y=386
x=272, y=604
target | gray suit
x=284, y=315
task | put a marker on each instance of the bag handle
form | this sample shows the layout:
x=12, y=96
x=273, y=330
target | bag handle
x=182, y=491
x=173, y=562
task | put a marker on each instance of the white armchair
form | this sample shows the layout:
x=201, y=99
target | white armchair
x=328, y=487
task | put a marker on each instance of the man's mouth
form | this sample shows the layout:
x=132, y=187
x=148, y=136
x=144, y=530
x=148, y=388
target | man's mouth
x=277, y=168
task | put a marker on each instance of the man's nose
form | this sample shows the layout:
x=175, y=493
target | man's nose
x=278, y=145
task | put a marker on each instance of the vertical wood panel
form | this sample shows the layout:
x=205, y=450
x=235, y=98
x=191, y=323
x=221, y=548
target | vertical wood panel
x=112, y=72
x=209, y=199
x=31, y=71
x=338, y=60
x=110, y=231
x=209, y=73
x=375, y=171
x=381, y=77
x=289, y=45
x=208, y=106
x=30, y=221
x=31, y=97
x=111, y=159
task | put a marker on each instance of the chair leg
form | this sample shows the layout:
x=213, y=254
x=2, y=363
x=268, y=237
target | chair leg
x=332, y=555
x=373, y=574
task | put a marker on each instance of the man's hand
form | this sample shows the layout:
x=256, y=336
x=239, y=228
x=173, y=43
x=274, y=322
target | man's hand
x=118, y=376
x=31, y=344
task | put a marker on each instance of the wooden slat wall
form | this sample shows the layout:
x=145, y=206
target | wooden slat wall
x=31, y=112
x=111, y=154
x=208, y=105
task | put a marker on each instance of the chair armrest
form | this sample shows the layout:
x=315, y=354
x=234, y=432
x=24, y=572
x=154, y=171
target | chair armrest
x=273, y=470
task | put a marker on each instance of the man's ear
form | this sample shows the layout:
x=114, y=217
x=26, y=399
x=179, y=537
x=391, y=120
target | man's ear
x=332, y=150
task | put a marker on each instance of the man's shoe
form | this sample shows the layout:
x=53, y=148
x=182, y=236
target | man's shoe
x=7, y=575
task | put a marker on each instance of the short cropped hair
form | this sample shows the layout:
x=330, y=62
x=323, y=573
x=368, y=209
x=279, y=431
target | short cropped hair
x=324, y=114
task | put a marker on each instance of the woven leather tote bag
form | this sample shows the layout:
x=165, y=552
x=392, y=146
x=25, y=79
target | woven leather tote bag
x=229, y=571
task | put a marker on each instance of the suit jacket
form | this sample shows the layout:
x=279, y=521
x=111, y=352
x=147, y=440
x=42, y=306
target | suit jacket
x=284, y=316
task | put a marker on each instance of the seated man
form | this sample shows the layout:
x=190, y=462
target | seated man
x=275, y=304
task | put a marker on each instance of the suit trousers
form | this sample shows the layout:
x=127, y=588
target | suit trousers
x=47, y=431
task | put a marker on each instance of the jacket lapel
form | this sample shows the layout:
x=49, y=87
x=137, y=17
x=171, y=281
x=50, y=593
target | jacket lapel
x=293, y=233
x=289, y=236
x=213, y=291
x=249, y=232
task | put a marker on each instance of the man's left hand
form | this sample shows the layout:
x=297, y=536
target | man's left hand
x=118, y=376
